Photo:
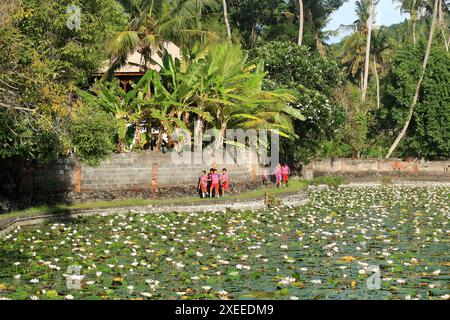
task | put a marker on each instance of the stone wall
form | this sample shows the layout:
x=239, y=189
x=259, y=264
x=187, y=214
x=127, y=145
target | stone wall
x=374, y=168
x=138, y=174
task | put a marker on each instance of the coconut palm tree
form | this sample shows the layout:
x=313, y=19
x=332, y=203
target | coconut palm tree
x=370, y=21
x=362, y=28
x=156, y=22
x=410, y=7
x=381, y=47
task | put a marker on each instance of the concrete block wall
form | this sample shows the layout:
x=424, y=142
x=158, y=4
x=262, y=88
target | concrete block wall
x=371, y=167
x=141, y=170
x=138, y=174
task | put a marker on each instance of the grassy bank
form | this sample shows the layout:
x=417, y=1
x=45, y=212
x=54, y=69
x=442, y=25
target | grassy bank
x=294, y=186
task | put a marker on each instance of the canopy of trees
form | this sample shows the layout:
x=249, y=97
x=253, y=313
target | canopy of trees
x=244, y=64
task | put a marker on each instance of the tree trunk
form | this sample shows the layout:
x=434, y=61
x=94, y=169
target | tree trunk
x=442, y=25
x=368, y=42
x=137, y=134
x=225, y=16
x=218, y=144
x=301, y=19
x=198, y=134
x=160, y=139
x=377, y=78
x=422, y=9
x=361, y=82
x=414, y=32
x=419, y=84
x=319, y=45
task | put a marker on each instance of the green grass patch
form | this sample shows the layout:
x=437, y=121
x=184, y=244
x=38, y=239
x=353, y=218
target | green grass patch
x=332, y=181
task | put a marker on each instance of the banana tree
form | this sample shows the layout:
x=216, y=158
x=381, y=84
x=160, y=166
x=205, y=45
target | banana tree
x=232, y=87
x=125, y=106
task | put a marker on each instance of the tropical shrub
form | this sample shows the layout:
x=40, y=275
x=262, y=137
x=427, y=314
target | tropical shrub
x=91, y=134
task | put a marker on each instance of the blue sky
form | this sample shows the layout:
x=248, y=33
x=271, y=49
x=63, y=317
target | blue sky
x=387, y=14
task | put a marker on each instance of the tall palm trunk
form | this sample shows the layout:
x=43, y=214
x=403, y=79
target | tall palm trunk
x=414, y=25
x=368, y=42
x=377, y=78
x=301, y=19
x=225, y=16
x=442, y=25
x=419, y=84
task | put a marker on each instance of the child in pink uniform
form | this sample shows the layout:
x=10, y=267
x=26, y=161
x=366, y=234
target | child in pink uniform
x=278, y=176
x=225, y=181
x=214, y=183
x=285, y=172
x=203, y=184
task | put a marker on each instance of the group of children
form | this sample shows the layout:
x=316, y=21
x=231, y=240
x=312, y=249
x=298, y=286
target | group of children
x=281, y=173
x=213, y=184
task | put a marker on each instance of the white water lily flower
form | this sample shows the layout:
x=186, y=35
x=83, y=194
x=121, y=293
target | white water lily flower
x=146, y=294
x=316, y=281
x=287, y=281
x=437, y=272
x=35, y=280
x=68, y=297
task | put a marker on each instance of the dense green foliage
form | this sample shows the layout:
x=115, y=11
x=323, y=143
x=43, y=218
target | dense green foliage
x=312, y=96
x=41, y=62
x=92, y=134
x=313, y=79
x=429, y=133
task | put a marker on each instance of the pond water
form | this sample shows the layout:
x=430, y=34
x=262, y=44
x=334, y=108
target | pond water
x=325, y=250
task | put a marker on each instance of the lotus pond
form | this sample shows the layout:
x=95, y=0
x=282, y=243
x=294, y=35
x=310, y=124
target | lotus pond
x=320, y=251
